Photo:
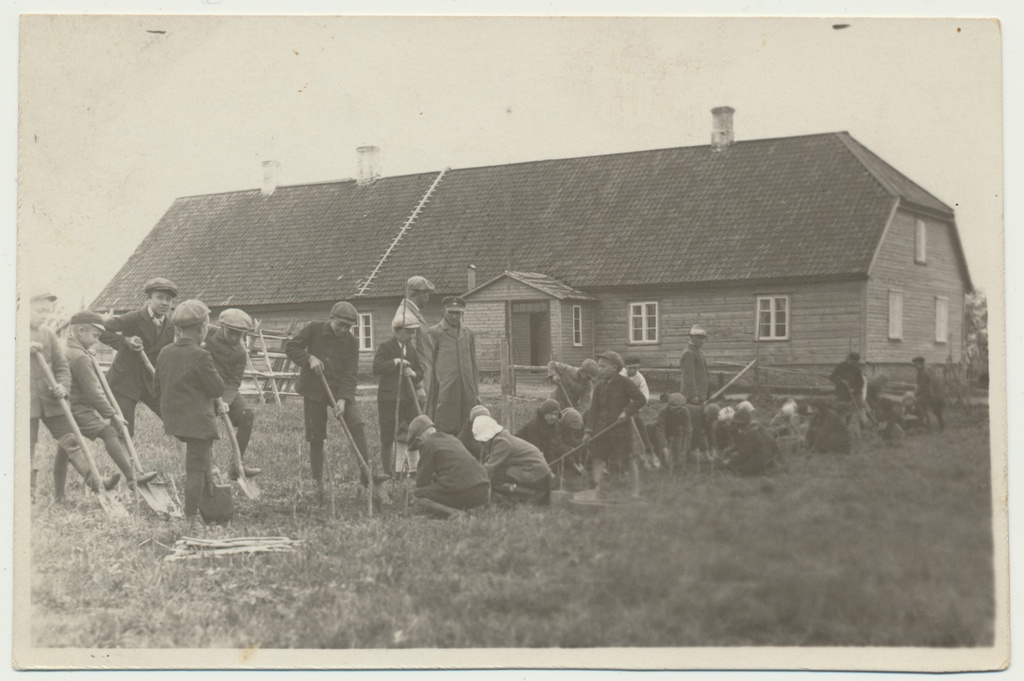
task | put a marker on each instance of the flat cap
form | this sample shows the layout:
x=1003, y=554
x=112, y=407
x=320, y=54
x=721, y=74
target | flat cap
x=418, y=283
x=346, y=312
x=190, y=313
x=417, y=427
x=404, y=319
x=589, y=367
x=631, y=361
x=236, y=319
x=698, y=330
x=613, y=357
x=452, y=303
x=88, y=317
x=161, y=284
x=42, y=295
x=548, y=406
x=676, y=400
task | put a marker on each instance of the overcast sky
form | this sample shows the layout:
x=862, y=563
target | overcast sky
x=119, y=116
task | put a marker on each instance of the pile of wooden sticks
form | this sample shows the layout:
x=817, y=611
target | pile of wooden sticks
x=187, y=547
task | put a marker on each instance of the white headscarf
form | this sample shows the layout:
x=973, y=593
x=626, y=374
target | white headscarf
x=485, y=428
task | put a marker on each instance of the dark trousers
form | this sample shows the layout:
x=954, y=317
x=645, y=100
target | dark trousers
x=198, y=472
x=927, y=406
x=242, y=418
x=115, y=450
x=477, y=495
x=315, y=415
x=127, y=406
x=57, y=425
x=538, y=492
x=386, y=418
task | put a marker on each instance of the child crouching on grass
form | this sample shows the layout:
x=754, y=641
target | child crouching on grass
x=188, y=385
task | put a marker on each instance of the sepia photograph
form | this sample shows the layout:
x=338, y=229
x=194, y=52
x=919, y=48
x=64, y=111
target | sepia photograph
x=387, y=342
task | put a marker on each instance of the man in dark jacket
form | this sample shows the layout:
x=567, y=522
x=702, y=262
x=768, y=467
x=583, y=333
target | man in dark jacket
x=448, y=479
x=188, y=385
x=147, y=330
x=848, y=379
x=328, y=347
x=226, y=345
x=693, y=368
x=397, y=364
x=928, y=395
x=615, y=400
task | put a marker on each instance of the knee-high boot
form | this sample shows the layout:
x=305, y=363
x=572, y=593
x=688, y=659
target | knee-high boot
x=60, y=473
x=76, y=457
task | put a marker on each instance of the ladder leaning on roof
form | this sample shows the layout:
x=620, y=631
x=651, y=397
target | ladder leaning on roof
x=405, y=228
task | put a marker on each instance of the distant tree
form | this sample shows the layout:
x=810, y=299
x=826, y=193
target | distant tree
x=976, y=335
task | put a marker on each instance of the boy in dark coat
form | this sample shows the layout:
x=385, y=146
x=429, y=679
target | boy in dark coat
x=828, y=432
x=517, y=469
x=330, y=347
x=145, y=330
x=394, y=360
x=226, y=345
x=615, y=400
x=189, y=385
x=754, y=451
x=448, y=479
x=44, y=401
x=672, y=431
x=542, y=430
x=95, y=415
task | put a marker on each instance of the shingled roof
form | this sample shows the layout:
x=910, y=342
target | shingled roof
x=812, y=206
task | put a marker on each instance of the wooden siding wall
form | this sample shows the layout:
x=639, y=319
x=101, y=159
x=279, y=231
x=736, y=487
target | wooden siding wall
x=895, y=269
x=487, y=320
x=825, y=323
x=481, y=306
x=569, y=354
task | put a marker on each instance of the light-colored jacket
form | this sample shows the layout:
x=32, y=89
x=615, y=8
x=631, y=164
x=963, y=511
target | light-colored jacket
x=423, y=342
x=520, y=460
x=641, y=383
x=579, y=389
x=41, y=399
x=694, y=375
x=454, y=379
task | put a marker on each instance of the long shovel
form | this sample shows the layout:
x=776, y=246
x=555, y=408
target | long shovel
x=111, y=506
x=248, y=485
x=154, y=493
x=352, y=443
x=587, y=444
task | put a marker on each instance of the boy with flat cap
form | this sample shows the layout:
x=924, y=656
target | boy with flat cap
x=188, y=385
x=95, y=415
x=395, y=360
x=44, y=401
x=454, y=379
x=448, y=479
x=226, y=344
x=329, y=347
x=145, y=330
x=616, y=399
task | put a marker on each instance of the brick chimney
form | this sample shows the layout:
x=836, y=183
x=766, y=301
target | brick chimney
x=368, y=165
x=271, y=177
x=721, y=127
x=470, y=277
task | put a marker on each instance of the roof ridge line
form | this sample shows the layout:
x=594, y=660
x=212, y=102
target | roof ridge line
x=846, y=140
x=401, y=232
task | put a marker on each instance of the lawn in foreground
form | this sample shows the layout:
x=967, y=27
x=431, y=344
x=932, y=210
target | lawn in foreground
x=881, y=547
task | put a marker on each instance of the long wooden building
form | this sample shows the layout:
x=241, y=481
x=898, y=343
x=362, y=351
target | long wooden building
x=795, y=250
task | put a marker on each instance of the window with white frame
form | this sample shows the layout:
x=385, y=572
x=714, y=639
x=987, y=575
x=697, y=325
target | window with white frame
x=941, y=319
x=577, y=326
x=895, y=315
x=773, y=318
x=364, y=332
x=643, y=322
x=920, y=241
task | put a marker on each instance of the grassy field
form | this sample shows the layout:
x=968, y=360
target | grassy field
x=883, y=547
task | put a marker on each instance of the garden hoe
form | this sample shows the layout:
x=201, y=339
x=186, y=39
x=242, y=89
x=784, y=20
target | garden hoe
x=248, y=485
x=351, y=441
x=111, y=505
x=154, y=493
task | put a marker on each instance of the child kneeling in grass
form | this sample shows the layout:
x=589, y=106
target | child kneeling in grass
x=448, y=479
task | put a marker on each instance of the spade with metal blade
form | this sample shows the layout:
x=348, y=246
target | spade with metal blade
x=111, y=506
x=248, y=485
x=351, y=441
x=154, y=493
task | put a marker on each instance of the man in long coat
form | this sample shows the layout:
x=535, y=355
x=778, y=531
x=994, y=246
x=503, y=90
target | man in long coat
x=417, y=294
x=694, y=368
x=454, y=379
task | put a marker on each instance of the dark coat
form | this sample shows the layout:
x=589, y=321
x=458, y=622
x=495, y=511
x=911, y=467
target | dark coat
x=542, y=435
x=851, y=375
x=128, y=376
x=445, y=463
x=516, y=458
x=188, y=383
x=87, y=393
x=465, y=436
x=385, y=367
x=340, y=355
x=756, y=451
x=231, y=360
x=693, y=380
x=612, y=397
x=454, y=378
x=42, y=402
x=827, y=433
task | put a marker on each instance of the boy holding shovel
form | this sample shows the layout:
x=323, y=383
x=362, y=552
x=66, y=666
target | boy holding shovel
x=45, y=401
x=95, y=415
x=226, y=346
x=188, y=385
x=397, y=364
x=615, y=400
